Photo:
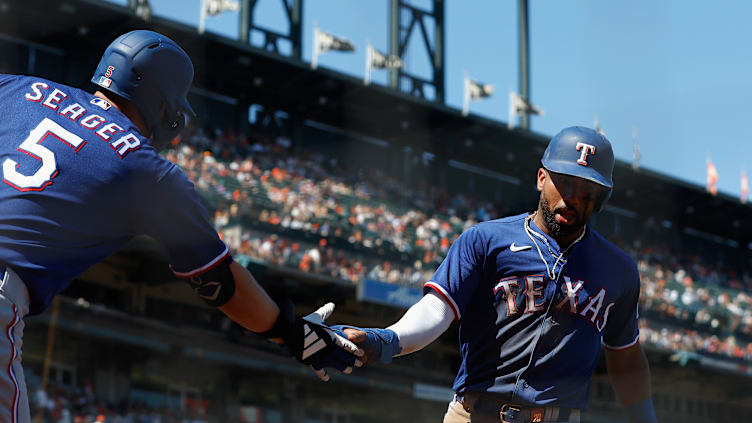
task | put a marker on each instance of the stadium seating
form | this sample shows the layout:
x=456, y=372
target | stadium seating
x=301, y=212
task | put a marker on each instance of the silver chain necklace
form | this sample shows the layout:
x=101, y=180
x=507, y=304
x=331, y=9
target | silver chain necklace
x=550, y=270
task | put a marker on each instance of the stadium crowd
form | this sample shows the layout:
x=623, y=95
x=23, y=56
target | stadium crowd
x=60, y=404
x=309, y=213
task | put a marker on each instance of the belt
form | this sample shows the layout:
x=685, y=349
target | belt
x=486, y=407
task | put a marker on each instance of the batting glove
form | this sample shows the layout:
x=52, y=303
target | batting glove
x=379, y=344
x=312, y=343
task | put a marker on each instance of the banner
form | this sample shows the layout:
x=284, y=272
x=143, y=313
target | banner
x=388, y=293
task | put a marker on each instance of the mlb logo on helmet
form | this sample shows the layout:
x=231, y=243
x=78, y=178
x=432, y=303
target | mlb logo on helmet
x=105, y=82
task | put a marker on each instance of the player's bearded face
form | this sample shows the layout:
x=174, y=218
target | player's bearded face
x=566, y=203
x=549, y=217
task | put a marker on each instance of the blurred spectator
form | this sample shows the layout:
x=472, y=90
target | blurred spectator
x=369, y=225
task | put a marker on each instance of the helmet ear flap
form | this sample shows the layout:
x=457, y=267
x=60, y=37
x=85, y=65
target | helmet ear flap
x=170, y=125
x=603, y=199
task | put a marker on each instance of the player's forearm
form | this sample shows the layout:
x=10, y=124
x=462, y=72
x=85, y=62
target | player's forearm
x=250, y=306
x=417, y=328
x=422, y=323
x=630, y=377
x=631, y=386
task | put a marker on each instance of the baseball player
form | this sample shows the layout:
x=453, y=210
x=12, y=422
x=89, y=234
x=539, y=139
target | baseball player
x=82, y=175
x=535, y=295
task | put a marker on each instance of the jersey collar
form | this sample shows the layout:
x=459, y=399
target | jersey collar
x=556, y=249
x=548, y=248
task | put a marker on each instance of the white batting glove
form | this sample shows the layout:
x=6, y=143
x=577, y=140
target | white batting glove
x=319, y=317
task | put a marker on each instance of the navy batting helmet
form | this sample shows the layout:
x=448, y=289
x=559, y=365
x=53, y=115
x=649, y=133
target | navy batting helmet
x=584, y=153
x=154, y=73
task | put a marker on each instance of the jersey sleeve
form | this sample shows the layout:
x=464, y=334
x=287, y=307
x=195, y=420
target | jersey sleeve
x=622, y=329
x=459, y=274
x=175, y=217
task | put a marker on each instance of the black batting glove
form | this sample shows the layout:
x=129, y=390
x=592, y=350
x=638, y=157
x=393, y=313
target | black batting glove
x=313, y=343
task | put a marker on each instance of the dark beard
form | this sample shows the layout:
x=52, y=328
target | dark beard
x=555, y=229
x=549, y=219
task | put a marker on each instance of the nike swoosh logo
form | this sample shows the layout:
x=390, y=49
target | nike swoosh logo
x=516, y=248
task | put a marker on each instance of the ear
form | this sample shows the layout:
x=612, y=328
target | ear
x=541, y=179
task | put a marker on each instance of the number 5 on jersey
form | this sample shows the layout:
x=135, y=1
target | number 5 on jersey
x=32, y=146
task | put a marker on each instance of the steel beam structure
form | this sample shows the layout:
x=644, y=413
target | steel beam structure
x=405, y=18
x=271, y=39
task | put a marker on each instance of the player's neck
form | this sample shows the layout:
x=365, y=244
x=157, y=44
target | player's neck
x=564, y=241
x=128, y=109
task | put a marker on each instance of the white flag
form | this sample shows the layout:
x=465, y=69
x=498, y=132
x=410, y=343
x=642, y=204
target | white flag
x=478, y=90
x=215, y=7
x=380, y=60
x=143, y=10
x=597, y=125
x=473, y=90
x=329, y=42
x=323, y=42
x=518, y=106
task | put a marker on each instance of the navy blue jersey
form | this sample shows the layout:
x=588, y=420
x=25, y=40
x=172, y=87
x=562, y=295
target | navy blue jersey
x=79, y=181
x=533, y=331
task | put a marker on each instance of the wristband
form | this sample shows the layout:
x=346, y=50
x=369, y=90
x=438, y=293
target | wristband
x=384, y=343
x=284, y=326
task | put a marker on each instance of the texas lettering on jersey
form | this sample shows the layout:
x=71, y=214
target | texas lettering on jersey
x=109, y=132
x=525, y=308
x=528, y=290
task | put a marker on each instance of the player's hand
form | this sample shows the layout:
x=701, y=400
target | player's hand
x=336, y=359
x=377, y=344
x=313, y=343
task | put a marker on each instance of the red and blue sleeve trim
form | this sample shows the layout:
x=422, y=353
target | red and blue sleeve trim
x=622, y=347
x=205, y=268
x=445, y=295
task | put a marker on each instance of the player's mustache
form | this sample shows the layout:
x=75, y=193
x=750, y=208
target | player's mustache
x=568, y=210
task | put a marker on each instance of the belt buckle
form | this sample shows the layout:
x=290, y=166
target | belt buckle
x=509, y=408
